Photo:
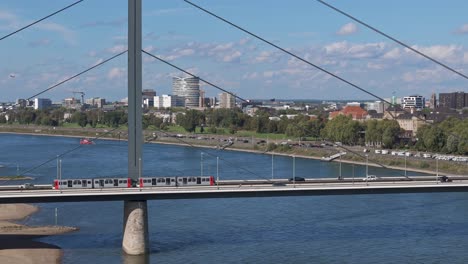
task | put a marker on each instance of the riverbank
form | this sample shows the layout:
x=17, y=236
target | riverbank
x=392, y=162
x=17, y=242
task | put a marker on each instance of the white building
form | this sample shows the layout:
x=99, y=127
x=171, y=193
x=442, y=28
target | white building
x=188, y=89
x=42, y=103
x=166, y=101
x=416, y=102
x=378, y=106
x=227, y=100
x=96, y=102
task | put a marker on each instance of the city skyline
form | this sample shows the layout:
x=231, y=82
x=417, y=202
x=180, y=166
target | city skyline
x=84, y=35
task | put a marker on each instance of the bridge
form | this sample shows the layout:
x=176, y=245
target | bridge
x=248, y=189
x=135, y=238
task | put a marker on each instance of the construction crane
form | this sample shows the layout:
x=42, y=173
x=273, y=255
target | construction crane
x=82, y=96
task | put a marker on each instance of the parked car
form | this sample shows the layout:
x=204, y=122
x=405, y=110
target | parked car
x=370, y=178
x=444, y=179
x=298, y=179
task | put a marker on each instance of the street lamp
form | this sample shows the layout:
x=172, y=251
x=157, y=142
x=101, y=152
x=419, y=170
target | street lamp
x=339, y=177
x=367, y=165
x=405, y=167
x=201, y=164
x=294, y=171
x=272, y=166
x=217, y=172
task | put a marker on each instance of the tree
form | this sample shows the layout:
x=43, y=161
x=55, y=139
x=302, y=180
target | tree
x=190, y=120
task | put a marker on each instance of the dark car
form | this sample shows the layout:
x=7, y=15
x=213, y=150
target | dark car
x=444, y=179
x=298, y=179
x=278, y=184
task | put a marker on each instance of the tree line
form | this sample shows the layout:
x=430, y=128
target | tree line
x=449, y=136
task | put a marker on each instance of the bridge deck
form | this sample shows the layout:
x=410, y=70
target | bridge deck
x=228, y=191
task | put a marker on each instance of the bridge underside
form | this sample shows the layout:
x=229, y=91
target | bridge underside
x=152, y=194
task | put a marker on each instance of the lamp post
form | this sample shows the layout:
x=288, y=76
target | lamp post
x=405, y=167
x=367, y=165
x=272, y=166
x=294, y=171
x=217, y=172
x=201, y=164
x=339, y=177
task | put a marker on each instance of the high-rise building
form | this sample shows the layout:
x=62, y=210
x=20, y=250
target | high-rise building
x=166, y=101
x=188, y=89
x=97, y=102
x=202, y=99
x=416, y=102
x=433, y=101
x=456, y=100
x=227, y=100
x=42, y=103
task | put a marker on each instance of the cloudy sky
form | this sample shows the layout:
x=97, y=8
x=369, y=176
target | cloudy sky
x=95, y=30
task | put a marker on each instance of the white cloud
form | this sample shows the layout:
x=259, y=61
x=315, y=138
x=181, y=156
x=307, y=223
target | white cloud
x=117, y=48
x=7, y=16
x=439, y=52
x=67, y=34
x=116, y=73
x=223, y=47
x=149, y=48
x=355, y=51
x=392, y=54
x=465, y=57
x=232, y=57
x=463, y=29
x=347, y=29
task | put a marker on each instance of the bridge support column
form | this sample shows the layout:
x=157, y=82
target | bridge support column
x=135, y=237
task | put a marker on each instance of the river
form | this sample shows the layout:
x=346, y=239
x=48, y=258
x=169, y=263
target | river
x=393, y=228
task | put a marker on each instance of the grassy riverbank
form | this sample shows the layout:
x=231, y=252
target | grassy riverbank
x=257, y=145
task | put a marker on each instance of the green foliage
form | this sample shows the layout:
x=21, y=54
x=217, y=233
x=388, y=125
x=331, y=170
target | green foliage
x=190, y=120
x=342, y=129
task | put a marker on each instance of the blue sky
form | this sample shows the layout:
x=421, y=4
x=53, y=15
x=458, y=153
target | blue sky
x=94, y=30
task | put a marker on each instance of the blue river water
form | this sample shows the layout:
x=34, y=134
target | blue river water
x=396, y=228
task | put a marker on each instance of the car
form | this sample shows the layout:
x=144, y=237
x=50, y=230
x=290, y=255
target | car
x=298, y=179
x=27, y=186
x=370, y=178
x=278, y=184
x=443, y=179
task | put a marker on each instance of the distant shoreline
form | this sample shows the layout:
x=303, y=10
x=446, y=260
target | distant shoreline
x=370, y=164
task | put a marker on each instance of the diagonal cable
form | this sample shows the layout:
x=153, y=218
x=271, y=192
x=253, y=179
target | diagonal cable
x=213, y=155
x=65, y=153
x=392, y=38
x=288, y=52
x=313, y=65
x=76, y=75
x=37, y=21
x=203, y=80
x=217, y=87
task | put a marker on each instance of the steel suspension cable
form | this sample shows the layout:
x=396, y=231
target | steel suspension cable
x=288, y=52
x=65, y=153
x=76, y=75
x=310, y=63
x=39, y=20
x=392, y=38
x=217, y=87
x=186, y=72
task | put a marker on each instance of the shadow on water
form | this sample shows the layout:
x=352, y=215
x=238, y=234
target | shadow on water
x=23, y=242
x=141, y=259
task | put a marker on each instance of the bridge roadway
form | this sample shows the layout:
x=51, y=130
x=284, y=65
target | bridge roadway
x=228, y=191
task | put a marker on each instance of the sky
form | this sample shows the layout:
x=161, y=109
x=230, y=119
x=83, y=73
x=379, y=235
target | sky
x=94, y=30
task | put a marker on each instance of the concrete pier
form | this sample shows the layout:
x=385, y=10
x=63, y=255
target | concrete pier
x=135, y=237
